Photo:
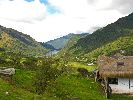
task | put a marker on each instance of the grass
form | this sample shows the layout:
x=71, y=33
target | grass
x=14, y=93
x=66, y=87
x=22, y=87
x=80, y=65
x=70, y=86
x=24, y=79
x=121, y=97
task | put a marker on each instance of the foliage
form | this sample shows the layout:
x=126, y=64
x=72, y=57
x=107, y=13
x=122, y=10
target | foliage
x=48, y=46
x=10, y=92
x=107, y=40
x=45, y=73
x=59, y=42
x=74, y=86
x=121, y=97
x=24, y=79
x=17, y=42
x=9, y=59
x=80, y=65
x=71, y=42
x=47, y=76
x=124, y=44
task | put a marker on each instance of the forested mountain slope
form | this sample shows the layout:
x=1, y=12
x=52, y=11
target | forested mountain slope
x=108, y=40
x=58, y=43
x=71, y=42
x=17, y=42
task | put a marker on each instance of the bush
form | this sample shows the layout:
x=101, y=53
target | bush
x=45, y=74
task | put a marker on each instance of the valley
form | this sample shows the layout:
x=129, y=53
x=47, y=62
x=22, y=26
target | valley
x=64, y=68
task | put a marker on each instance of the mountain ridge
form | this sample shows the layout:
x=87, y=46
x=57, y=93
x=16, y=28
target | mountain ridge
x=112, y=34
x=58, y=43
x=16, y=42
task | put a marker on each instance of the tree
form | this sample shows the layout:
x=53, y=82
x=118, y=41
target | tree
x=45, y=74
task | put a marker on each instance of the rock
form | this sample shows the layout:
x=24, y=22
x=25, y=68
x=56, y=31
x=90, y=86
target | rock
x=7, y=71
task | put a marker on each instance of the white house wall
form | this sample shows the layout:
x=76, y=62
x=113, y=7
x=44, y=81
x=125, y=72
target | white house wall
x=123, y=86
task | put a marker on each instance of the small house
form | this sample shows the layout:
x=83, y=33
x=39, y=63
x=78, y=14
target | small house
x=116, y=72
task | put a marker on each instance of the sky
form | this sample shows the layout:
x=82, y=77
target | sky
x=46, y=20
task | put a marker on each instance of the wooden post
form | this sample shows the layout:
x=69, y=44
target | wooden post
x=107, y=88
x=97, y=75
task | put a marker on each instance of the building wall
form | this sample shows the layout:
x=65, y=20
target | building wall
x=123, y=83
x=123, y=86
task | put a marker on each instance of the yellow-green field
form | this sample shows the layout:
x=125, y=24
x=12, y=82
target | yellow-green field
x=80, y=65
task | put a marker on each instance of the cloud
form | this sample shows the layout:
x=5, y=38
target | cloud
x=87, y=14
x=21, y=10
x=91, y=1
x=123, y=6
x=50, y=19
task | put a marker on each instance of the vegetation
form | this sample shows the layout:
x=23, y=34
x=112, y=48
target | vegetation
x=122, y=45
x=60, y=77
x=59, y=43
x=10, y=92
x=121, y=97
x=80, y=65
x=49, y=79
x=76, y=86
x=108, y=40
x=17, y=42
x=72, y=41
x=45, y=74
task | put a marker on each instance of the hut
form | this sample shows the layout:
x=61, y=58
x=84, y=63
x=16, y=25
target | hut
x=116, y=73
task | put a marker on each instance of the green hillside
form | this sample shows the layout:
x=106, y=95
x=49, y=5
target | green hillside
x=124, y=44
x=58, y=43
x=46, y=79
x=107, y=40
x=72, y=41
x=17, y=42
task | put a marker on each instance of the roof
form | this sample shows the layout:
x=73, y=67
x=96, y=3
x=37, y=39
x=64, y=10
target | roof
x=116, y=66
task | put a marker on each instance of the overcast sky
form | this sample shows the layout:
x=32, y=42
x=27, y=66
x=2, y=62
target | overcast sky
x=48, y=19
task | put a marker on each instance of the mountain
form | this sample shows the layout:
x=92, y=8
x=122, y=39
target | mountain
x=108, y=40
x=58, y=43
x=48, y=46
x=16, y=42
x=71, y=42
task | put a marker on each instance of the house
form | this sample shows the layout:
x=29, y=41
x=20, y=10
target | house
x=116, y=73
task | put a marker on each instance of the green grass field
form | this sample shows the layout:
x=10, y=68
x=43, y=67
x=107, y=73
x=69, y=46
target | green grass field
x=70, y=86
x=10, y=92
x=24, y=79
x=67, y=86
x=80, y=65
x=121, y=97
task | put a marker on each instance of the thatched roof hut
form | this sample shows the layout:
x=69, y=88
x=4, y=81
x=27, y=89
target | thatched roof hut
x=116, y=66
